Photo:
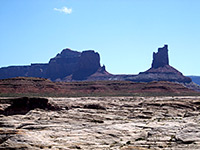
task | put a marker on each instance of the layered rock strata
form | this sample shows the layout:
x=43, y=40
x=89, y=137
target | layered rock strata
x=27, y=86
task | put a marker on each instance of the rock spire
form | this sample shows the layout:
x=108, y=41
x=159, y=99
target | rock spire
x=160, y=59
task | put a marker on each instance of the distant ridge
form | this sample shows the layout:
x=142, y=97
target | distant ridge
x=70, y=65
x=195, y=79
x=29, y=86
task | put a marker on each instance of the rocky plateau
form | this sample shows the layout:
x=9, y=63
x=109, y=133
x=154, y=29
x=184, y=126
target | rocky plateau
x=100, y=123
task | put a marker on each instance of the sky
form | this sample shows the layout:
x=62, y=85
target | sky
x=124, y=32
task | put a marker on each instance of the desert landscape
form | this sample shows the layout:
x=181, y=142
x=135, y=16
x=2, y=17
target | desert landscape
x=101, y=123
x=91, y=109
x=99, y=75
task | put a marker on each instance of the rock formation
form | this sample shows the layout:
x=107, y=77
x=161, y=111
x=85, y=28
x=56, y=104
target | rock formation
x=88, y=64
x=24, y=104
x=161, y=70
x=78, y=65
x=71, y=65
x=160, y=59
x=103, y=123
x=63, y=64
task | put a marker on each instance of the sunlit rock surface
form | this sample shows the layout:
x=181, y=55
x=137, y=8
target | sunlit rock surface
x=101, y=123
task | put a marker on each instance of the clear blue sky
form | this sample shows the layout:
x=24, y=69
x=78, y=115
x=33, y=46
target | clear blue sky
x=124, y=32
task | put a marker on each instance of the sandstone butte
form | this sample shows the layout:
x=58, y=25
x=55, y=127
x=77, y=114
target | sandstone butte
x=161, y=70
x=72, y=65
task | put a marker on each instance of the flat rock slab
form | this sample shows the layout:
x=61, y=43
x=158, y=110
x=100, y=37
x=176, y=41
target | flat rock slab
x=106, y=123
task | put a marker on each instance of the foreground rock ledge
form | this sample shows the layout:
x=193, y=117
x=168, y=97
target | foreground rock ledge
x=104, y=123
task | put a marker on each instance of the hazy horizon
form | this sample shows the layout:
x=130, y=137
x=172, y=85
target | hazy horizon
x=124, y=33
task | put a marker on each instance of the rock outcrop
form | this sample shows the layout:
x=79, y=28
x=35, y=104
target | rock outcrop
x=160, y=59
x=103, y=123
x=72, y=65
x=64, y=64
x=23, y=105
x=89, y=63
x=78, y=65
x=161, y=70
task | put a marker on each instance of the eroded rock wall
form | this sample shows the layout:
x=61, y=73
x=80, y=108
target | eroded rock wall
x=68, y=62
x=161, y=58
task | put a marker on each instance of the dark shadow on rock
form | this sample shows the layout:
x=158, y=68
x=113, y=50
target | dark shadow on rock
x=24, y=104
x=94, y=106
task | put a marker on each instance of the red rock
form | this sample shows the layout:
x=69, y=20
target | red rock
x=160, y=59
x=161, y=70
x=79, y=65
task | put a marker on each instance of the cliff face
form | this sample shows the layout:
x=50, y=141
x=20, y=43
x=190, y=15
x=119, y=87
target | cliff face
x=79, y=65
x=63, y=64
x=88, y=64
x=160, y=59
x=33, y=70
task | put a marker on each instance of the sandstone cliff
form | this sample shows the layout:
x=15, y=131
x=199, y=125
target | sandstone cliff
x=63, y=64
x=78, y=65
x=160, y=59
x=89, y=63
